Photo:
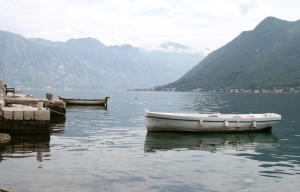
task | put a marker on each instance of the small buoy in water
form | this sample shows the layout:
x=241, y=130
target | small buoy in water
x=226, y=123
x=201, y=122
x=254, y=124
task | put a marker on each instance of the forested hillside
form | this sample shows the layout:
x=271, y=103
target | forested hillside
x=264, y=58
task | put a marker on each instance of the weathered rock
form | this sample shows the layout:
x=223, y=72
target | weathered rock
x=42, y=115
x=28, y=115
x=4, y=138
x=8, y=115
x=18, y=115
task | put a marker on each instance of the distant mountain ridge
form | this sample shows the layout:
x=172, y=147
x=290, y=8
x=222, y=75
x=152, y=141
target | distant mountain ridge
x=264, y=58
x=174, y=46
x=86, y=63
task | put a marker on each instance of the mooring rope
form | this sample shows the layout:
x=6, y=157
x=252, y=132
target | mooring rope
x=292, y=134
x=122, y=117
x=55, y=111
x=133, y=115
x=291, y=123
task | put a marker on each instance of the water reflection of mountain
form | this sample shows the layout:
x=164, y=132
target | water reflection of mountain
x=212, y=142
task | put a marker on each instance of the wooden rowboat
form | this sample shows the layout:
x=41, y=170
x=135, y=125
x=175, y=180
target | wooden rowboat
x=73, y=101
x=214, y=122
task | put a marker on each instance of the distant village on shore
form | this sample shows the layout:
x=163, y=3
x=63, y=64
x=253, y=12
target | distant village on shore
x=231, y=90
x=226, y=90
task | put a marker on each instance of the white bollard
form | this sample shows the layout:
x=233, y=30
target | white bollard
x=1, y=105
x=40, y=105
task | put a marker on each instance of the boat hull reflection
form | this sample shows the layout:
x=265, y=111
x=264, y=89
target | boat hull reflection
x=86, y=107
x=213, y=142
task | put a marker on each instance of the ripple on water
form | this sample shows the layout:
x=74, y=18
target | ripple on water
x=111, y=150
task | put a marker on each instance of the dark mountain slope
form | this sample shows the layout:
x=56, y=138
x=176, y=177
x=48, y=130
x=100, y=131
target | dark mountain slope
x=267, y=57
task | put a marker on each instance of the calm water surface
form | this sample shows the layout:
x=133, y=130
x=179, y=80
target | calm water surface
x=94, y=149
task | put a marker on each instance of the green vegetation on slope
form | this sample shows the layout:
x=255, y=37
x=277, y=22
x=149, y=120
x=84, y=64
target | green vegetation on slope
x=267, y=57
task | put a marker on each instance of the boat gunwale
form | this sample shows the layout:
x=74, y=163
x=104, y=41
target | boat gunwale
x=74, y=99
x=220, y=120
x=206, y=117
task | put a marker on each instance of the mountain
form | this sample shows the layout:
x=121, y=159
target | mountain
x=179, y=48
x=171, y=46
x=86, y=63
x=264, y=58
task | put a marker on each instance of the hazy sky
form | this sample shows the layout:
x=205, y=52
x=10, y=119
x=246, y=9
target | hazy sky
x=144, y=23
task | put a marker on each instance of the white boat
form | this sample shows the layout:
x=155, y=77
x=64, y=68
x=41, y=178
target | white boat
x=74, y=101
x=214, y=122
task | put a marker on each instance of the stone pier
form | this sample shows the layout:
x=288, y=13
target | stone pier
x=21, y=113
x=57, y=107
x=20, y=118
